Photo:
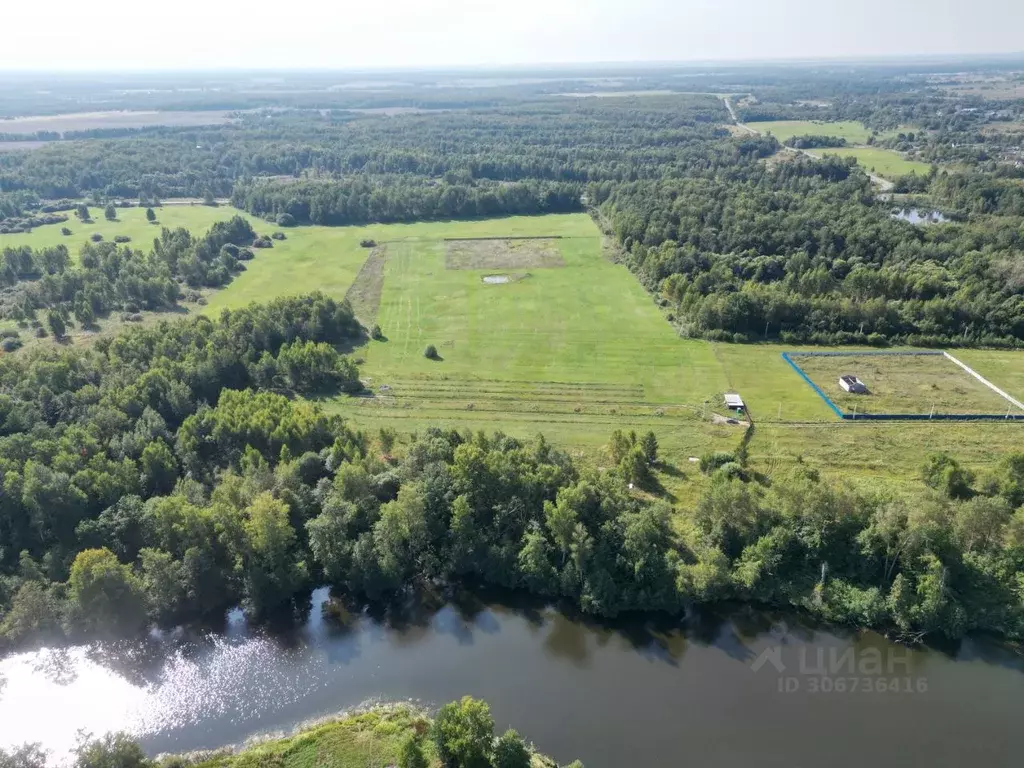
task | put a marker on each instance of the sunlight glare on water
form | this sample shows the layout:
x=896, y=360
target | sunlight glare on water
x=51, y=696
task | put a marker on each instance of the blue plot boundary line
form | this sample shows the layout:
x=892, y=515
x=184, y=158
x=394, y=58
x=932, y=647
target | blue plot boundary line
x=889, y=416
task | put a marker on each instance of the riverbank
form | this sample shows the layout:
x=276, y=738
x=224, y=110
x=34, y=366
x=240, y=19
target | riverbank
x=637, y=691
x=383, y=735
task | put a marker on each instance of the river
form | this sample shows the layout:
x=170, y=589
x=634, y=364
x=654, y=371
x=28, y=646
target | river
x=736, y=689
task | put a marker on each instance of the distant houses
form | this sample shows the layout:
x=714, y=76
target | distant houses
x=851, y=383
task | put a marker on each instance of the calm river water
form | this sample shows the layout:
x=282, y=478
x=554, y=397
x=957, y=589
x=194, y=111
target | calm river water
x=742, y=690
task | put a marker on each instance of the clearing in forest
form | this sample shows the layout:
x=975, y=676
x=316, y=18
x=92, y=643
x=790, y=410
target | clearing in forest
x=853, y=131
x=883, y=162
x=574, y=352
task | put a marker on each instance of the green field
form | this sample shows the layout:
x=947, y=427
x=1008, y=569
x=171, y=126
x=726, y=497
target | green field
x=574, y=351
x=853, y=131
x=903, y=384
x=883, y=162
x=571, y=347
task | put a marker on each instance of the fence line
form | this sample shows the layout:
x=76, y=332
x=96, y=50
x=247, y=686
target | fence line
x=800, y=371
x=906, y=416
x=985, y=381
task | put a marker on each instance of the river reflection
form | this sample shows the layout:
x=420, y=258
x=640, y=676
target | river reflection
x=613, y=694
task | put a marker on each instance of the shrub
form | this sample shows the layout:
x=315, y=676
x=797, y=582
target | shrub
x=10, y=344
x=96, y=237
x=65, y=231
x=376, y=334
x=40, y=332
x=368, y=243
x=430, y=352
x=712, y=460
x=9, y=333
x=278, y=236
x=732, y=470
x=286, y=220
x=122, y=239
x=245, y=254
x=262, y=242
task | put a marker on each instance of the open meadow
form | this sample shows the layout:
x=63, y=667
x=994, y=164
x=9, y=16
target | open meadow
x=853, y=131
x=533, y=335
x=884, y=162
x=538, y=331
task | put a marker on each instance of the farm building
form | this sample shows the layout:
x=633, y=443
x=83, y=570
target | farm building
x=733, y=401
x=851, y=383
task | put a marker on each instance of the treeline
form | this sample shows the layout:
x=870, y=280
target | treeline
x=157, y=478
x=361, y=200
x=811, y=141
x=802, y=252
x=111, y=277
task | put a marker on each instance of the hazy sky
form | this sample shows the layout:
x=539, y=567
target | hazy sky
x=205, y=34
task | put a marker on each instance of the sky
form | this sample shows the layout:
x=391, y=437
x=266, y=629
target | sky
x=354, y=34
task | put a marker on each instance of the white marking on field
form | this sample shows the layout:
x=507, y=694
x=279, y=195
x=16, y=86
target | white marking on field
x=985, y=381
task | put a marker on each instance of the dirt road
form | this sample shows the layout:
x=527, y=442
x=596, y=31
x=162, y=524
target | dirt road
x=883, y=184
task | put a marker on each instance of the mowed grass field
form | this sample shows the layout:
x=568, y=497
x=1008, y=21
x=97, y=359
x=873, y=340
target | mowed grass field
x=574, y=351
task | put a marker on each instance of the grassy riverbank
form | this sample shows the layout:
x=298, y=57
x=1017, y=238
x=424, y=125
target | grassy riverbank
x=380, y=737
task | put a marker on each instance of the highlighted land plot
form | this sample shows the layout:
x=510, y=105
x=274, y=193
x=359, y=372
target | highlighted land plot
x=910, y=385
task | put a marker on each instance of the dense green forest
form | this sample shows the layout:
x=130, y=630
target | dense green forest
x=172, y=472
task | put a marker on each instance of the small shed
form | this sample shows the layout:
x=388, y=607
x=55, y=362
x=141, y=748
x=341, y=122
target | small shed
x=851, y=383
x=733, y=402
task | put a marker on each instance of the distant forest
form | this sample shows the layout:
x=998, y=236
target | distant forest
x=738, y=239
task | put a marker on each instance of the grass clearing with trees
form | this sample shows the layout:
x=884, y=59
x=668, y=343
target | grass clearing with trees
x=130, y=222
x=883, y=162
x=854, y=132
